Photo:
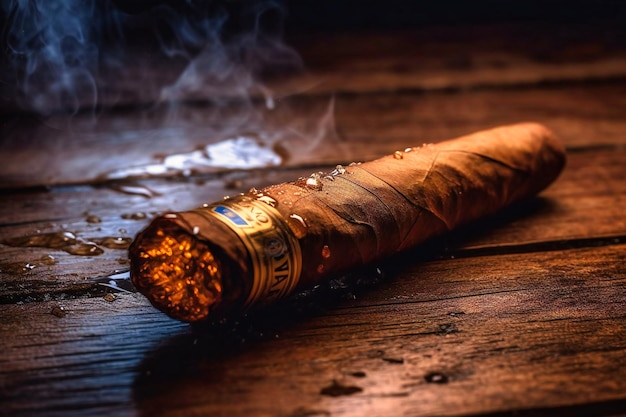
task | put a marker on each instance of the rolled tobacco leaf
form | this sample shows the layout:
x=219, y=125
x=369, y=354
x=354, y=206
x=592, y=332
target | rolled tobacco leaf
x=250, y=250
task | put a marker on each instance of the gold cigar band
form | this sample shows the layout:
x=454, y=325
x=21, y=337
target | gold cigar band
x=273, y=250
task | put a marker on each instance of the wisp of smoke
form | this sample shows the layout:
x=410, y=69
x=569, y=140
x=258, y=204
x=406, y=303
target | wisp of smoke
x=53, y=49
x=56, y=50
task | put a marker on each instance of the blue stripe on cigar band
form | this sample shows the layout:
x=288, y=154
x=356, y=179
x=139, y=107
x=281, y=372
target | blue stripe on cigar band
x=229, y=214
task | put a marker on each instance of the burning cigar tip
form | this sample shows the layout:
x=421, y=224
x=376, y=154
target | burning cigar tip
x=178, y=273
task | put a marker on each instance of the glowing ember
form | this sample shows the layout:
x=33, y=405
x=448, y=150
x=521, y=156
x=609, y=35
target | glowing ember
x=178, y=274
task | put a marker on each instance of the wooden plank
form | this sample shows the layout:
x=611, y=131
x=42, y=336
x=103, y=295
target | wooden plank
x=535, y=331
x=111, y=338
x=427, y=58
x=78, y=152
x=586, y=203
x=462, y=57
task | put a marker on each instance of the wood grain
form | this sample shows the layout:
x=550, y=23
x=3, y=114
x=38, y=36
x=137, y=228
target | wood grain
x=479, y=336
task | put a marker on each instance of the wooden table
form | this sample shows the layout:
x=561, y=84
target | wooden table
x=520, y=314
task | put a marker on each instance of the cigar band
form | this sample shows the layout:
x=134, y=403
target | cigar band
x=273, y=250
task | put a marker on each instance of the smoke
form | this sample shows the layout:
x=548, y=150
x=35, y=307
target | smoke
x=53, y=51
x=226, y=59
x=184, y=73
x=62, y=54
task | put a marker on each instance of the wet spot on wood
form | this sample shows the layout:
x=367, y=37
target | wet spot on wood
x=16, y=268
x=446, y=329
x=48, y=260
x=139, y=215
x=112, y=242
x=338, y=390
x=93, y=219
x=62, y=240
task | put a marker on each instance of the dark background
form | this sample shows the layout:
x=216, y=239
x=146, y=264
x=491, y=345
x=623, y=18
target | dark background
x=117, y=24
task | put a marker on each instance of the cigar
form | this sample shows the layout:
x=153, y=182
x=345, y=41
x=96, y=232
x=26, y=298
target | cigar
x=250, y=250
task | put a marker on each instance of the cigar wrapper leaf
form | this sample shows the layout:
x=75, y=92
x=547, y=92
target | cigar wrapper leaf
x=250, y=250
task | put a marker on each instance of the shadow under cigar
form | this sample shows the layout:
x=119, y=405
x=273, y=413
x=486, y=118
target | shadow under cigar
x=191, y=367
x=207, y=362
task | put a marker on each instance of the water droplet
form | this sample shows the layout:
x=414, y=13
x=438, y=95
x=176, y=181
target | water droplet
x=48, y=260
x=339, y=170
x=268, y=200
x=196, y=230
x=436, y=378
x=114, y=242
x=297, y=225
x=325, y=252
x=84, y=249
x=139, y=215
x=29, y=267
x=406, y=150
x=313, y=183
x=398, y=155
x=93, y=219
x=58, y=311
x=62, y=240
x=109, y=297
